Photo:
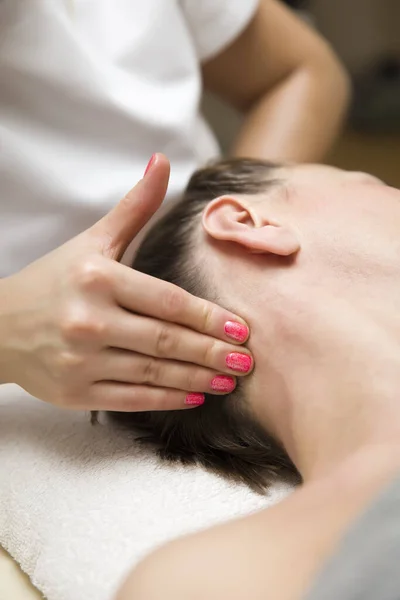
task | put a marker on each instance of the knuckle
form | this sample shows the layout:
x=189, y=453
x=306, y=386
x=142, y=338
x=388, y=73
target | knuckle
x=173, y=303
x=206, y=313
x=67, y=363
x=95, y=329
x=162, y=401
x=150, y=372
x=137, y=402
x=158, y=399
x=165, y=342
x=192, y=381
x=90, y=275
x=80, y=324
x=125, y=204
x=210, y=352
x=140, y=400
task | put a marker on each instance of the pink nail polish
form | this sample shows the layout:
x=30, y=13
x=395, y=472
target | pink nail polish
x=150, y=163
x=236, y=331
x=194, y=399
x=239, y=362
x=223, y=383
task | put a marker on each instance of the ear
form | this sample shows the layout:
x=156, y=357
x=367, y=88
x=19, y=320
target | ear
x=232, y=219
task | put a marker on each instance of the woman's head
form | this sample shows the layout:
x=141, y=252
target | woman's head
x=222, y=434
x=283, y=247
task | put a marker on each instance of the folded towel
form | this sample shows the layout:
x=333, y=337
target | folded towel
x=80, y=505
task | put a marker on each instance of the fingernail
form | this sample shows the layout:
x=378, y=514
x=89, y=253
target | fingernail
x=236, y=331
x=194, y=399
x=150, y=163
x=223, y=383
x=239, y=362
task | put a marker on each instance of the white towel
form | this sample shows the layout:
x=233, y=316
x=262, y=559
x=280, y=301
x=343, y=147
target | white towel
x=80, y=505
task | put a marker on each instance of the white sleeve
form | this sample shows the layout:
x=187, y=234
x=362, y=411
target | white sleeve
x=215, y=23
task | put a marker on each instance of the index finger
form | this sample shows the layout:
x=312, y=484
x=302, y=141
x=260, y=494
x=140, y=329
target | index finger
x=147, y=295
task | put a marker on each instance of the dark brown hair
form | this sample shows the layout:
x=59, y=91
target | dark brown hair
x=221, y=434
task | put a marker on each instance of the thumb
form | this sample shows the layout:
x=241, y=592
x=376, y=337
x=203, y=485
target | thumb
x=116, y=230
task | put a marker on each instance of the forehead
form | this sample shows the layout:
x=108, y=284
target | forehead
x=326, y=175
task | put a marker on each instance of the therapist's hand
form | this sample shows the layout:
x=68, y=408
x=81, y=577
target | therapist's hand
x=80, y=330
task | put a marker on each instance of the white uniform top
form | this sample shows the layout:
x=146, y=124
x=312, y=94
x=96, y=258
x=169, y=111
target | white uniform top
x=89, y=89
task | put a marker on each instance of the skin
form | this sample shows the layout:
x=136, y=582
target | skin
x=287, y=82
x=80, y=330
x=318, y=261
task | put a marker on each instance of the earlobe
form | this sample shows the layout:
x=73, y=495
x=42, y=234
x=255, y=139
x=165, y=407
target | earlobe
x=232, y=219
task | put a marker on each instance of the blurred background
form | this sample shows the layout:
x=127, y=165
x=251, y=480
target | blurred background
x=366, y=35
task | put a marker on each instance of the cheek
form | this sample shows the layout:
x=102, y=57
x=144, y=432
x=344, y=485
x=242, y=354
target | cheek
x=349, y=209
x=347, y=218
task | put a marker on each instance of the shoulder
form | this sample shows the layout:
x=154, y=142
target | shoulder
x=173, y=572
x=215, y=563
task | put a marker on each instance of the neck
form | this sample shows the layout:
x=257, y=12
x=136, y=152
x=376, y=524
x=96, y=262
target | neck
x=327, y=382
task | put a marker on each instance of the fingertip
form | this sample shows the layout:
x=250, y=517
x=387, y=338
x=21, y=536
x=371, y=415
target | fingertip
x=150, y=164
x=157, y=162
x=194, y=399
x=240, y=363
x=237, y=331
x=223, y=384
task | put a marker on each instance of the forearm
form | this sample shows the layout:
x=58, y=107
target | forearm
x=299, y=119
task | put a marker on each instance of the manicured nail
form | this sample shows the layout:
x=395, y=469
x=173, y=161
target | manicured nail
x=236, y=331
x=239, y=362
x=150, y=163
x=223, y=383
x=194, y=399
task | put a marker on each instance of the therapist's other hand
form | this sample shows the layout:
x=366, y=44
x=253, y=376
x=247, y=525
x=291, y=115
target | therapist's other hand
x=83, y=331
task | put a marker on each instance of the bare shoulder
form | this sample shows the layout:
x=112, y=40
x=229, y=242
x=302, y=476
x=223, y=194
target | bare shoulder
x=221, y=562
x=203, y=565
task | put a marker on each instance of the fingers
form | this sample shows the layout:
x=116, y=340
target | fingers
x=129, y=367
x=124, y=397
x=143, y=294
x=164, y=340
x=118, y=228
